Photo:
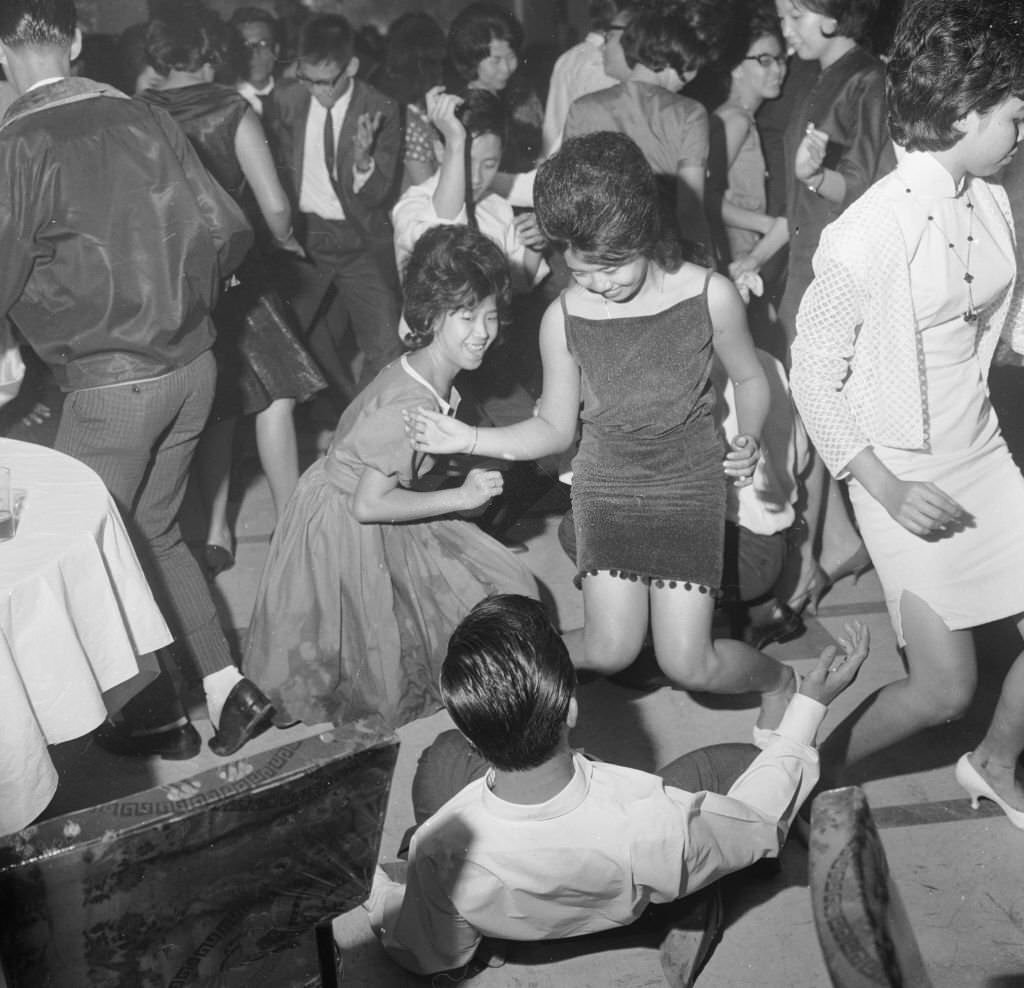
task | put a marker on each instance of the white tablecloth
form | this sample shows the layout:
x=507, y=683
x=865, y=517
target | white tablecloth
x=76, y=613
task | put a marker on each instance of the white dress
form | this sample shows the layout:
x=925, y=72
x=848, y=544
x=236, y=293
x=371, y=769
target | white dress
x=971, y=576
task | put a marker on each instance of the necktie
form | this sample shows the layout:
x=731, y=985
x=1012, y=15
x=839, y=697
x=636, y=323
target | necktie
x=329, y=145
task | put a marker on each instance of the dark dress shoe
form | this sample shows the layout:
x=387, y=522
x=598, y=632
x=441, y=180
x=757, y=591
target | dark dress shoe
x=783, y=625
x=247, y=712
x=175, y=744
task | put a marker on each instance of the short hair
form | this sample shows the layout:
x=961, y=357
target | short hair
x=37, y=22
x=663, y=38
x=472, y=31
x=950, y=57
x=452, y=267
x=256, y=15
x=853, y=17
x=598, y=196
x=507, y=682
x=762, y=22
x=327, y=38
x=185, y=42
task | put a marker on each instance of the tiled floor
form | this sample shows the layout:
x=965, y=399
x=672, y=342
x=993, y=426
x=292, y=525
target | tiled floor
x=961, y=872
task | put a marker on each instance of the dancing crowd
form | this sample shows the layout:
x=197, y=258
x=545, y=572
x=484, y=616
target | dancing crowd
x=744, y=270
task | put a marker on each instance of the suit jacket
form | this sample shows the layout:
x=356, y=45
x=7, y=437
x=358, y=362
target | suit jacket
x=285, y=113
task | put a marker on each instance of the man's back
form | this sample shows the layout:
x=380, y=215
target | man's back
x=113, y=238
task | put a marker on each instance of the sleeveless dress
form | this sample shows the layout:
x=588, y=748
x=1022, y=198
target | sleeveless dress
x=259, y=357
x=972, y=576
x=746, y=182
x=648, y=491
x=353, y=619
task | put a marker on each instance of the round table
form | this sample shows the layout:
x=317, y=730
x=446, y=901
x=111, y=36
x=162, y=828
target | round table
x=76, y=615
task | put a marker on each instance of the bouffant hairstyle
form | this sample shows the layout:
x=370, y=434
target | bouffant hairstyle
x=185, y=42
x=507, y=682
x=471, y=34
x=853, y=17
x=950, y=57
x=452, y=267
x=598, y=196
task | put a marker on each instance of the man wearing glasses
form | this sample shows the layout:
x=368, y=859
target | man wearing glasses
x=258, y=31
x=338, y=143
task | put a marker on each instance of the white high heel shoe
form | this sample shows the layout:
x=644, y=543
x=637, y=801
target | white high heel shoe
x=971, y=780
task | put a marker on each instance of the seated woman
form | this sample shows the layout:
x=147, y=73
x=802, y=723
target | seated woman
x=367, y=577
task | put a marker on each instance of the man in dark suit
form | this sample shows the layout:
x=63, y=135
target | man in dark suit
x=338, y=143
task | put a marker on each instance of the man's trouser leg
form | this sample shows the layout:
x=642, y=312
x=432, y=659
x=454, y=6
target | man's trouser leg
x=140, y=438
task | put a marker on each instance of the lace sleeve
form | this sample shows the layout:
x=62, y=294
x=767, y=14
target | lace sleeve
x=823, y=353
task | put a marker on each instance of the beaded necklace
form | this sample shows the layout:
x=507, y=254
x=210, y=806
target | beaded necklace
x=971, y=315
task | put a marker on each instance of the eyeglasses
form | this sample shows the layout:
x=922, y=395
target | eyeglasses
x=613, y=27
x=765, y=60
x=321, y=83
x=259, y=44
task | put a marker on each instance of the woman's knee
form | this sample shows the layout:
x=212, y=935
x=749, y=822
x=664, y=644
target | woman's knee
x=609, y=654
x=690, y=666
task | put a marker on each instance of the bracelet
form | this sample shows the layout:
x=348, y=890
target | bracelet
x=816, y=189
x=476, y=436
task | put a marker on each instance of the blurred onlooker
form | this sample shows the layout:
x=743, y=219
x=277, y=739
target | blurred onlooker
x=578, y=71
x=261, y=45
x=655, y=52
x=414, y=64
x=338, y=142
x=484, y=45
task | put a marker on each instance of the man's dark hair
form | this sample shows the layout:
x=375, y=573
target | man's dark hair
x=37, y=22
x=452, y=267
x=328, y=38
x=598, y=196
x=471, y=34
x=507, y=682
x=950, y=57
x=256, y=15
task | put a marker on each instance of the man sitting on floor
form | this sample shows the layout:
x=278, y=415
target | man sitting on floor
x=523, y=838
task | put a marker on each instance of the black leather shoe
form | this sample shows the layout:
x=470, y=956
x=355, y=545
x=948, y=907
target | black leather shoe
x=247, y=712
x=175, y=744
x=783, y=625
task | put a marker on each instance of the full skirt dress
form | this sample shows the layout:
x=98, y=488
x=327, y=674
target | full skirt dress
x=353, y=619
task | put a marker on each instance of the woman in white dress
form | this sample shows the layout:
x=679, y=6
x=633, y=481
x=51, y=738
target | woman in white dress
x=913, y=287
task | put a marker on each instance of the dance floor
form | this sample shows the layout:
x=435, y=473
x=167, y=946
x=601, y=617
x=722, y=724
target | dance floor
x=961, y=872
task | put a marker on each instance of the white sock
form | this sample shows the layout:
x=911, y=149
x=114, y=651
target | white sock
x=217, y=686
